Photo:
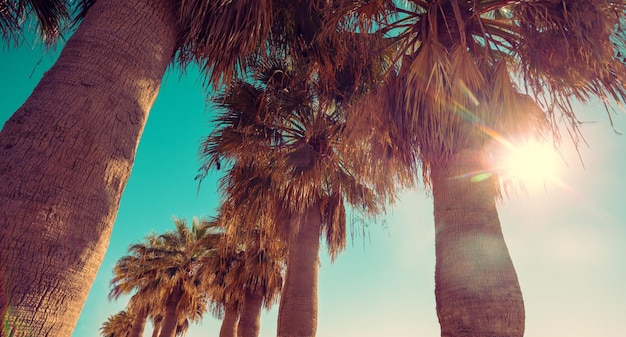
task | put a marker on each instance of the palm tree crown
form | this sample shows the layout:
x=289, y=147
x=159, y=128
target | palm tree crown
x=164, y=273
x=117, y=325
x=469, y=71
x=288, y=142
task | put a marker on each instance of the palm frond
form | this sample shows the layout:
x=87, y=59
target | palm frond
x=166, y=264
x=118, y=325
x=471, y=70
x=51, y=16
x=219, y=35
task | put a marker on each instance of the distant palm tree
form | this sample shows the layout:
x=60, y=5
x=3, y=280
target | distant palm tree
x=261, y=269
x=247, y=273
x=285, y=136
x=118, y=325
x=472, y=75
x=157, y=323
x=163, y=272
x=141, y=304
x=129, y=278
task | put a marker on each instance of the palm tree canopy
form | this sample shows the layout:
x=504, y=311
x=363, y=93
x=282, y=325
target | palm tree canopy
x=287, y=140
x=117, y=325
x=166, y=263
x=248, y=260
x=471, y=71
x=217, y=35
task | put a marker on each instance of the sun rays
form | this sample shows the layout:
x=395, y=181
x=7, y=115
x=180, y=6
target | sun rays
x=532, y=164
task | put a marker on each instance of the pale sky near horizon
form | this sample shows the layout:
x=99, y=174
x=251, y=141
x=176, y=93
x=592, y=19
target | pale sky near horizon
x=567, y=241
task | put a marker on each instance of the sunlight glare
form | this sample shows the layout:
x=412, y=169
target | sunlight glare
x=532, y=164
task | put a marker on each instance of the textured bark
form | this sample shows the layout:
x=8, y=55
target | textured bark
x=229, y=323
x=297, y=314
x=139, y=324
x=250, y=320
x=170, y=319
x=476, y=287
x=65, y=158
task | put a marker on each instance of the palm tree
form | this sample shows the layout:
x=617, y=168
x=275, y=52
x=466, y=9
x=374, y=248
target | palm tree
x=67, y=153
x=247, y=273
x=157, y=324
x=118, y=325
x=285, y=137
x=177, y=268
x=471, y=74
x=131, y=276
x=249, y=268
x=163, y=272
x=261, y=268
x=142, y=301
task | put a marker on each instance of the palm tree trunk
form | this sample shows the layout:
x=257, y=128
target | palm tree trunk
x=297, y=314
x=476, y=287
x=139, y=324
x=250, y=320
x=170, y=320
x=156, y=329
x=65, y=158
x=229, y=323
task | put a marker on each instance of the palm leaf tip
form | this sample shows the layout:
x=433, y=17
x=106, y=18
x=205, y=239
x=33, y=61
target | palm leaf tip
x=52, y=17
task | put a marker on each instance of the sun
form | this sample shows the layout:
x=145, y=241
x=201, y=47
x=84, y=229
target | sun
x=531, y=164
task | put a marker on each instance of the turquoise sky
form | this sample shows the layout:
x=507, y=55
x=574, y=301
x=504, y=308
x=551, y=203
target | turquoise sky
x=567, y=240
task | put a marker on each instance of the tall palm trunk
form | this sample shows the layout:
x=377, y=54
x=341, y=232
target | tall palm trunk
x=139, y=323
x=156, y=329
x=170, y=319
x=297, y=314
x=250, y=320
x=476, y=287
x=65, y=158
x=229, y=323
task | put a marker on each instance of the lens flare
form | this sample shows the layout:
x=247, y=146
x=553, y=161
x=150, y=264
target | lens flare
x=531, y=164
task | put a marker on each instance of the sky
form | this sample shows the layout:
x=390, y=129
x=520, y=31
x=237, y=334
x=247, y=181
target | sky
x=567, y=237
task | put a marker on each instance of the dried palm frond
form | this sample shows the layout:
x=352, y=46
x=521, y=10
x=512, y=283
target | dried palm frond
x=247, y=261
x=166, y=264
x=469, y=71
x=118, y=325
x=218, y=35
x=51, y=16
x=570, y=50
x=291, y=152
